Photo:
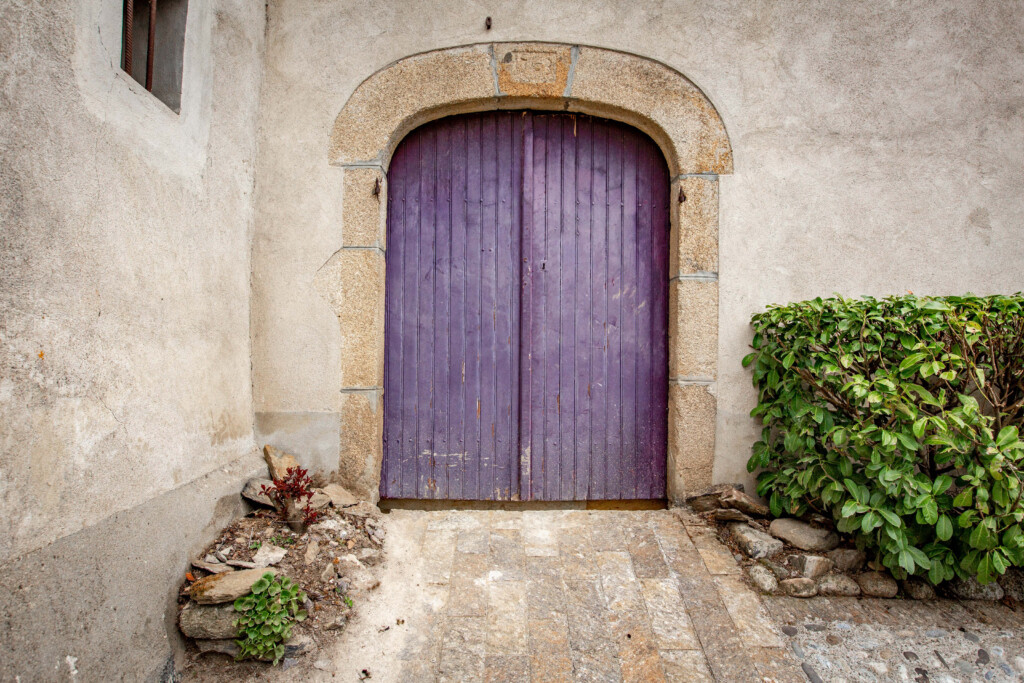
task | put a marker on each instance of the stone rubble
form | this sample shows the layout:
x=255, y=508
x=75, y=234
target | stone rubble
x=799, y=588
x=838, y=585
x=754, y=542
x=877, y=585
x=847, y=559
x=330, y=560
x=803, y=536
x=811, y=566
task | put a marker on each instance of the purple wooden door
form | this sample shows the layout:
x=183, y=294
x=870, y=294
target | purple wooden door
x=527, y=311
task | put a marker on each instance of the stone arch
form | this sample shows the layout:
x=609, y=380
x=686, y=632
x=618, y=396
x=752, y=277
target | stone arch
x=641, y=92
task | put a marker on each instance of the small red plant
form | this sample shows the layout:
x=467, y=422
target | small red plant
x=288, y=494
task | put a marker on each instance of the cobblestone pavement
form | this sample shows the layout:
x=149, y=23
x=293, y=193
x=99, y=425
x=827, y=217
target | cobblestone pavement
x=541, y=595
x=853, y=639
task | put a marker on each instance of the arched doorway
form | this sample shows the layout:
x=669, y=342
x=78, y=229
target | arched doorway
x=652, y=97
x=526, y=315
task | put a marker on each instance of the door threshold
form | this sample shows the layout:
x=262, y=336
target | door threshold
x=386, y=504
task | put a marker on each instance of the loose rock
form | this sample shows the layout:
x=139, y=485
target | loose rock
x=877, y=585
x=227, y=587
x=737, y=500
x=775, y=568
x=811, y=566
x=1013, y=583
x=753, y=542
x=763, y=578
x=970, y=589
x=278, y=462
x=362, y=509
x=729, y=515
x=838, y=584
x=319, y=500
x=847, y=559
x=268, y=554
x=339, y=495
x=208, y=621
x=710, y=498
x=213, y=568
x=252, y=491
x=799, y=588
x=311, y=552
x=803, y=535
x=225, y=647
x=916, y=589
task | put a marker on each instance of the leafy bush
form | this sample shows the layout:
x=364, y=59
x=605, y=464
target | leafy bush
x=268, y=613
x=901, y=418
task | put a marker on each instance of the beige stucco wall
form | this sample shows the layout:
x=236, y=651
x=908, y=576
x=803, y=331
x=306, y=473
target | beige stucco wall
x=125, y=398
x=876, y=149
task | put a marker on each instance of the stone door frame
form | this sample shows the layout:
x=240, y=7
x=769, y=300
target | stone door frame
x=635, y=90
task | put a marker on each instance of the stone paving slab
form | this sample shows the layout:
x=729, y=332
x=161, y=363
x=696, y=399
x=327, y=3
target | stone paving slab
x=587, y=595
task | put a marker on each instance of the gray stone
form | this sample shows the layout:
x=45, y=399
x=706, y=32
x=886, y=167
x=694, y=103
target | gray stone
x=224, y=647
x=339, y=495
x=214, y=568
x=877, y=585
x=918, y=589
x=299, y=645
x=811, y=566
x=799, y=588
x=268, y=554
x=362, y=509
x=754, y=542
x=227, y=587
x=710, y=498
x=311, y=552
x=780, y=572
x=970, y=589
x=1012, y=583
x=729, y=515
x=319, y=500
x=763, y=578
x=242, y=564
x=252, y=491
x=208, y=621
x=847, y=559
x=812, y=675
x=803, y=535
x=839, y=585
x=737, y=500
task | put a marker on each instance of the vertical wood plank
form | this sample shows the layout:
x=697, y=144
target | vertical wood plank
x=582, y=310
x=526, y=319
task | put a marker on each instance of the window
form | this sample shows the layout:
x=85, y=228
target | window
x=153, y=46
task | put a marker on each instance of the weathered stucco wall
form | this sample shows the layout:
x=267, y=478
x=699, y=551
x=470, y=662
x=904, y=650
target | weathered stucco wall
x=876, y=150
x=125, y=397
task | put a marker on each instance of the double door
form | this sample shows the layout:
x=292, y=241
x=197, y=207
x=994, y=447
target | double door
x=526, y=311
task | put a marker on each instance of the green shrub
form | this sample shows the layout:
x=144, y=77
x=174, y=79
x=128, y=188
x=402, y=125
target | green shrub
x=899, y=418
x=268, y=613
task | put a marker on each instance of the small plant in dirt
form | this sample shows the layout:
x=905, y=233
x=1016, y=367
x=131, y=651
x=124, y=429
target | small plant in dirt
x=900, y=418
x=288, y=495
x=268, y=614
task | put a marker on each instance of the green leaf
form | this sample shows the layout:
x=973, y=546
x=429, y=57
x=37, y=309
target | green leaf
x=891, y=517
x=1007, y=435
x=748, y=359
x=908, y=443
x=944, y=528
x=963, y=499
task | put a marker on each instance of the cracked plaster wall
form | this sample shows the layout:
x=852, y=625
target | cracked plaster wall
x=876, y=150
x=125, y=237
